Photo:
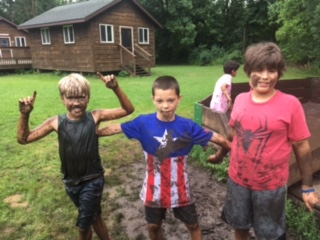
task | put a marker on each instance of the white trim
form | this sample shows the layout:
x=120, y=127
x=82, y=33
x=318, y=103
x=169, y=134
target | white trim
x=106, y=26
x=132, y=38
x=145, y=34
x=20, y=37
x=70, y=34
x=45, y=36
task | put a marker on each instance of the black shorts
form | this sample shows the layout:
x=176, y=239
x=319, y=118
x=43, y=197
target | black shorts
x=87, y=198
x=187, y=214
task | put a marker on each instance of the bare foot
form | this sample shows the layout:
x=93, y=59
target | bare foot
x=214, y=159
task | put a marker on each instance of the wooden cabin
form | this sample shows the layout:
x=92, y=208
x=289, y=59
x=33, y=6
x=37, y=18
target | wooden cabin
x=14, y=50
x=94, y=36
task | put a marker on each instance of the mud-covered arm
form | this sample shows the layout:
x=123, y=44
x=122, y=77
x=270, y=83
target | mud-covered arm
x=126, y=105
x=221, y=152
x=110, y=130
x=303, y=155
x=24, y=135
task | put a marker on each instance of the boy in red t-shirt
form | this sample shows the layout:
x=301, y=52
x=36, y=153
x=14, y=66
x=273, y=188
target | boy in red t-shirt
x=266, y=125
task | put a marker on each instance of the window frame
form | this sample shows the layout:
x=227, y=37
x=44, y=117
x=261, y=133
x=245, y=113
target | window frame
x=45, y=36
x=145, y=33
x=106, y=33
x=68, y=34
x=20, y=41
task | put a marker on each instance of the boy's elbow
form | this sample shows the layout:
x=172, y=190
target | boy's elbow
x=131, y=110
x=128, y=111
x=22, y=141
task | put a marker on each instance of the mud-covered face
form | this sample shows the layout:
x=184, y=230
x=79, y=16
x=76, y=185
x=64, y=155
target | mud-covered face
x=166, y=102
x=76, y=105
x=264, y=81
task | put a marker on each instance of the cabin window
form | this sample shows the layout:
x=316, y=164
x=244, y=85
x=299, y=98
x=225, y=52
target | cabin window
x=143, y=35
x=68, y=34
x=20, y=41
x=106, y=33
x=45, y=36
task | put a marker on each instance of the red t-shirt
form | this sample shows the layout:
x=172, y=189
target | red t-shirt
x=261, y=147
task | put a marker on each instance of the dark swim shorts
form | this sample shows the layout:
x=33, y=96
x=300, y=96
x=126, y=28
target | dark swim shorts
x=87, y=198
x=187, y=214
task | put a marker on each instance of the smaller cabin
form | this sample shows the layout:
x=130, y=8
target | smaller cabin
x=14, y=50
x=94, y=36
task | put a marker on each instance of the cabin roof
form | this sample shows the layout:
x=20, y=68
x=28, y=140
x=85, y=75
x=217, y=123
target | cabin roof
x=76, y=13
x=11, y=23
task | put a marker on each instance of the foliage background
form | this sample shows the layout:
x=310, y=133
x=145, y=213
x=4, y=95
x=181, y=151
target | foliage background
x=206, y=32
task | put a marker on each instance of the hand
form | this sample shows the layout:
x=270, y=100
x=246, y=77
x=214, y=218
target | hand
x=214, y=159
x=110, y=80
x=310, y=199
x=218, y=156
x=26, y=104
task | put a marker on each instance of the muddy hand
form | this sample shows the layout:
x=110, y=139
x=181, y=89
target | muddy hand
x=310, y=199
x=26, y=104
x=214, y=159
x=109, y=80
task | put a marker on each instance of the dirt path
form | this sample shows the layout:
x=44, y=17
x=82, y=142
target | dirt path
x=126, y=213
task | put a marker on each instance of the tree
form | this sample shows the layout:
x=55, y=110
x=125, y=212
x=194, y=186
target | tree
x=299, y=33
x=179, y=32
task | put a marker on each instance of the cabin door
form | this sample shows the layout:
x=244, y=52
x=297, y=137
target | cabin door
x=126, y=38
x=5, y=53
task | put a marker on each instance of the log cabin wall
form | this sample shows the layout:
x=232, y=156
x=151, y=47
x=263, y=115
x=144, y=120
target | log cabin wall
x=10, y=31
x=123, y=15
x=75, y=57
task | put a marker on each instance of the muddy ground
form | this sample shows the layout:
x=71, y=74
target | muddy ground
x=125, y=210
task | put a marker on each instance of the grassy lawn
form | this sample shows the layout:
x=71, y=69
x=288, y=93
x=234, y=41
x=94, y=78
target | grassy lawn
x=33, y=202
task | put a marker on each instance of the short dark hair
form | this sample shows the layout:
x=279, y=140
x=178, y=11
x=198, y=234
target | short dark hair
x=264, y=55
x=230, y=66
x=165, y=83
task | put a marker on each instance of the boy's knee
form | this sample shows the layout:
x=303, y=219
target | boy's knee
x=154, y=227
x=193, y=227
x=85, y=233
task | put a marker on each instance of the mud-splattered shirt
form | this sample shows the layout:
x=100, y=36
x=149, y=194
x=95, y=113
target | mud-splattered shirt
x=261, y=147
x=166, y=146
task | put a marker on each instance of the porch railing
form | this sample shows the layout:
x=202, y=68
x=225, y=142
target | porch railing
x=137, y=62
x=15, y=57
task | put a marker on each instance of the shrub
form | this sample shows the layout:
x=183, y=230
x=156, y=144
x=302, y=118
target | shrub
x=199, y=156
x=303, y=223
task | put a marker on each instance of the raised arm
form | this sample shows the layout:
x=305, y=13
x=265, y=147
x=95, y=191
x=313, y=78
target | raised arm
x=24, y=134
x=304, y=160
x=126, y=105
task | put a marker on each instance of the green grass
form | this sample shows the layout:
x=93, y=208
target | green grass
x=33, y=171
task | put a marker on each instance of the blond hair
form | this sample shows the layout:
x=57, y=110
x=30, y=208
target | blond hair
x=74, y=85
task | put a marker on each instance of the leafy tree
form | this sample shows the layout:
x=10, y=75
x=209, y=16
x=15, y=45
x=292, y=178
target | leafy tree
x=299, y=34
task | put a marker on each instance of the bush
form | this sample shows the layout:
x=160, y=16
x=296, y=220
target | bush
x=199, y=156
x=301, y=222
x=123, y=74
